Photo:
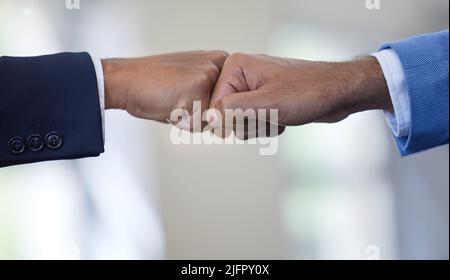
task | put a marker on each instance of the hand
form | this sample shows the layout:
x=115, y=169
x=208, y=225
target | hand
x=302, y=91
x=152, y=87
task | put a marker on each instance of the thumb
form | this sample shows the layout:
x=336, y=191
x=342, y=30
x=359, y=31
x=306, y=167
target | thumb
x=236, y=105
x=240, y=100
x=231, y=80
x=248, y=114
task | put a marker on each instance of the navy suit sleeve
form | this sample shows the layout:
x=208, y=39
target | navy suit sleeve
x=425, y=61
x=49, y=109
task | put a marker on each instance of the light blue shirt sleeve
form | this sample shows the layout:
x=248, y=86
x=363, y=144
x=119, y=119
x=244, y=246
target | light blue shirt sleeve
x=400, y=120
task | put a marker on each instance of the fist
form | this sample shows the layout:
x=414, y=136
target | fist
x=302, y=91
x=152, y=87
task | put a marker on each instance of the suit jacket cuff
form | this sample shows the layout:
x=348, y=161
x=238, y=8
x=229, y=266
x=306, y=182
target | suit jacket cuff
x=101, y=88
x=49, y=108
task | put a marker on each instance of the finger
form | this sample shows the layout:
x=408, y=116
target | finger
x=233, y=102
x=213, y=73
x=235, y=108
x=271, y=131
x=243, y=102
x=258, y=129
x=250, y=129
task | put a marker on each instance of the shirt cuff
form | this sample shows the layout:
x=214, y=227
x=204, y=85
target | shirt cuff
x=101, y=88
x=400, y=119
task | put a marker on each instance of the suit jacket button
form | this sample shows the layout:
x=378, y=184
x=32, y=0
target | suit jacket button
x=17, y=145
x=54, y=140
x=35, y=143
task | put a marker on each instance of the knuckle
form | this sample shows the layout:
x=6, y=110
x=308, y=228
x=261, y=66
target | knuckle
x=213, y=71
x=222, y=54
x=237, y=56
x=203, y=82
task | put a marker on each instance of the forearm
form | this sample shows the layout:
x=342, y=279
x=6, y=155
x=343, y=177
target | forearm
x=363, y=86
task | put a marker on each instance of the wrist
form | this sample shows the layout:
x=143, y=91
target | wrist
x=115, y=95
x=366, y=87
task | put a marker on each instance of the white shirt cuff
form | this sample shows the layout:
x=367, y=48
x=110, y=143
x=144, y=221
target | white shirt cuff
x=400, y=119
x=101, y=88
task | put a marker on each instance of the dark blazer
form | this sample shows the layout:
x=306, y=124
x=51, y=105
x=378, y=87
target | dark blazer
x=49, y=109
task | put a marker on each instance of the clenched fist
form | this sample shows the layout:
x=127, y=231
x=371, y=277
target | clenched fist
x=152, y=87
x=302, y=91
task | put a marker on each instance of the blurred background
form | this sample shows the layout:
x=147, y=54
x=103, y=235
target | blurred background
x=331, y=192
